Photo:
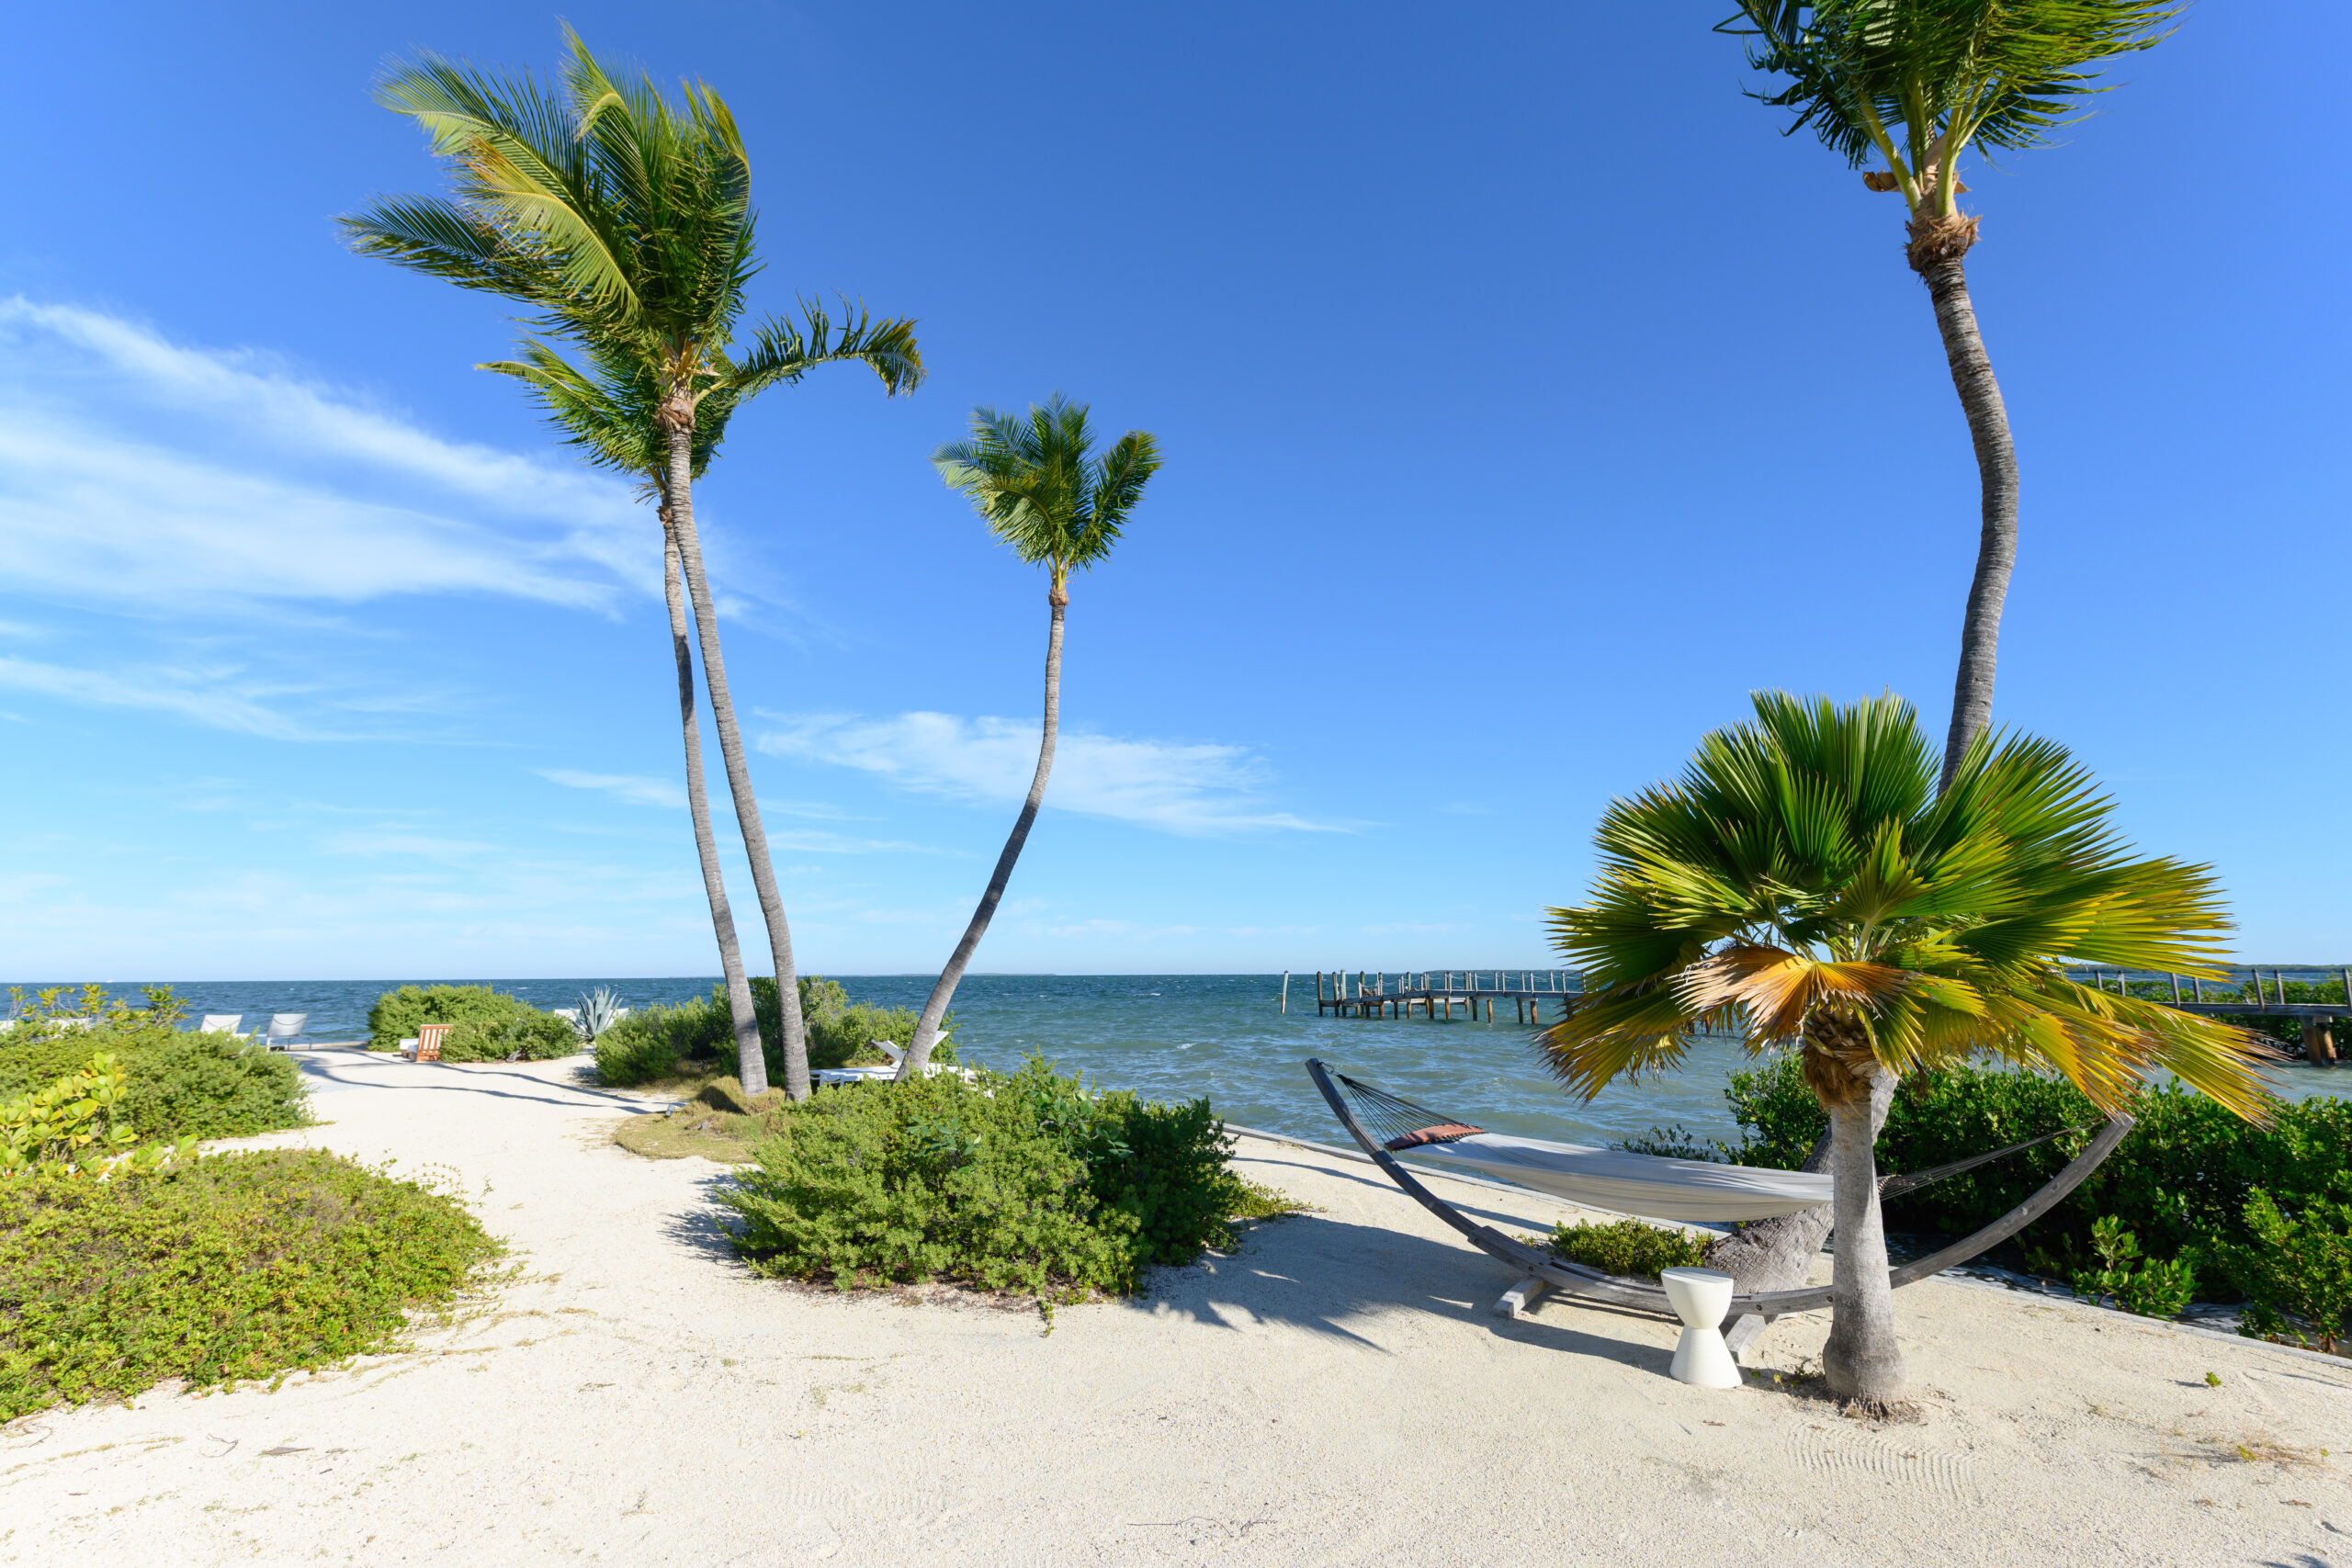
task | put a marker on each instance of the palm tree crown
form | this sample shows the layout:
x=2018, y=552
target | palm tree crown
x=1804, y=881
x=1035, y=480
x=619, y=218
x=1917, y=82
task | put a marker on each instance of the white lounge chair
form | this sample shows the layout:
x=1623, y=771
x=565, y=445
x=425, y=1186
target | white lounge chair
x=835, y=1077
x=284, y=1027
x=222, y=1023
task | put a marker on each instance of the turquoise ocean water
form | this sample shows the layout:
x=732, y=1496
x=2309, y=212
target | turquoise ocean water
x=1179, y=1036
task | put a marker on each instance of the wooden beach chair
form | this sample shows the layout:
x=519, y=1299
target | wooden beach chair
x=426, y=1046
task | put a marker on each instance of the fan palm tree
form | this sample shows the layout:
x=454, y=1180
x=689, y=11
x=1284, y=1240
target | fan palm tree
x=1804, y=882
x=624, y=223
x=1914, y=84
x=1035, y=480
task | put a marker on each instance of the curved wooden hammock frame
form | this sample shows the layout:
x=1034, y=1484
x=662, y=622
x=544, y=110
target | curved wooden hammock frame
x=1767, y=1305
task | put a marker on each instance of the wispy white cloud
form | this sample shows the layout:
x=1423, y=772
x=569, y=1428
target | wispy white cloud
x=134, y=470
x=207, y=697
x=812, y=842
x=631, y=788
x=637, y=789
x=401, y=841
x=1191, y=788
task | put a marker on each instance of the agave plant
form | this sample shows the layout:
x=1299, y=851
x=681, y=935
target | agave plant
x=599, y=1010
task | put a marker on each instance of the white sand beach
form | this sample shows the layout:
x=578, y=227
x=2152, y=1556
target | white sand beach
x=1335, y=1392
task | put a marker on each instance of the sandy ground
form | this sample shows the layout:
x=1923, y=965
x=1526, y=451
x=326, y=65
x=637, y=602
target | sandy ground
x=1337, y=1392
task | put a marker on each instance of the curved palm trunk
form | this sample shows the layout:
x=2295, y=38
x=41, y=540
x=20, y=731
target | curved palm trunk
x=1996, y=471
x=722, y=918
x=1861, y=1359
x=739, y=774
x=935, y=1008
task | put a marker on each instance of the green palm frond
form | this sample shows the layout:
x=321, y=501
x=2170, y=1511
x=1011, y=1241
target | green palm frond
x=1916, y=81
x=622, y=222
x=1805, y=864
x=783, y=351
x=611, y=411
x=1036, y=480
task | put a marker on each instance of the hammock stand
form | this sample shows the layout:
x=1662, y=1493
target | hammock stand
x=1557, y=1273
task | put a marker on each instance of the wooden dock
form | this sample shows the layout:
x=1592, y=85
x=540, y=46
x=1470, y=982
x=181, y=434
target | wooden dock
x=1440, y=993
x=2269, y=999
x=1479, y=994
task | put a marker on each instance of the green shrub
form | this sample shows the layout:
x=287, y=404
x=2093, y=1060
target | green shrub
x=182, y=1081
x=534, y=1036
x=1025, y=1182
x=491, y=1025
x=2180, y=1182
x=78, y=1126
x=649, y=1043
x=2299, y=1266
x=1628, y=1248
x=2147, y=1286
x=636, y=1050
x=230, y=1267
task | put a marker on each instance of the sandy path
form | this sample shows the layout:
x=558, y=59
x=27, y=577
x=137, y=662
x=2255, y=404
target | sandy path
x=1338, y=1392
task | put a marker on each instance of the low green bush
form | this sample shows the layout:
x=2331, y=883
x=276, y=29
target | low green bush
x=232, y=1267
x=2180, y=1182
x=1026, y=1183
x=648, y=1043
x=533, y=1037
x=76, y=1127
x=1628, y=1248
x=2148, y=1286
x=182, y=1081
x=2297, y=1269
x=491, y=1025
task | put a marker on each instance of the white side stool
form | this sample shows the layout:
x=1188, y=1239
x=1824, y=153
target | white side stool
x=1701, y=1297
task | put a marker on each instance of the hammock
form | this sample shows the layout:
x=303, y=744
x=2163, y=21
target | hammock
x=1652, y=1185
x=1405, y=1127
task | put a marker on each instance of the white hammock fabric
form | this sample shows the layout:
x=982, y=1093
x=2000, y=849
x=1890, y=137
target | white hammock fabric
x=1648, y=1185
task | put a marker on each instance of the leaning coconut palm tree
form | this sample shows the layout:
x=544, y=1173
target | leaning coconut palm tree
x=1036, y=480
x=1805, y=884
x=625, y=224
x=611, y=418
x=1916, y=84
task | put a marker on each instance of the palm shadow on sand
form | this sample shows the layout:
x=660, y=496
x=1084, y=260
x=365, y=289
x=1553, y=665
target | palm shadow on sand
x=1343, y=1279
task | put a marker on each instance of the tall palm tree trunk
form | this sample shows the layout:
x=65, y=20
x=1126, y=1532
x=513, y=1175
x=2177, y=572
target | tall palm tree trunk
x=1862, y=1359
x=935, y=1008
x=1996, y=470
x=738, y=774
x=722, y=918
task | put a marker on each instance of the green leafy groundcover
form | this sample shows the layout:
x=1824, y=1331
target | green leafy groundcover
x=491, y=1025
x=1628, y=1248
x=651, y=1042
x=214, y=1086
x=1029, y=1182
x=235, y=1266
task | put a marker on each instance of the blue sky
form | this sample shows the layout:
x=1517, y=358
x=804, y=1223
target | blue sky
x=1527, y=399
